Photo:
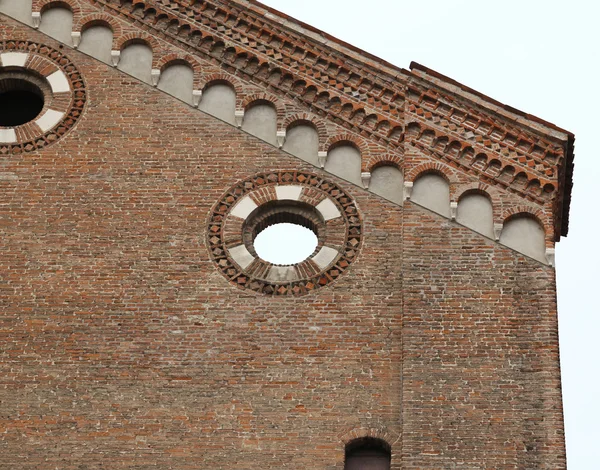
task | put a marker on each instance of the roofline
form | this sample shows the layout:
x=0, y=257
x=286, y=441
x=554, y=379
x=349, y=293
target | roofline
x=416, y=66
x=393, y=70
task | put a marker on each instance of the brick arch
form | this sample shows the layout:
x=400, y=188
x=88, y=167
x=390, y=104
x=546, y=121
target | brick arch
x=99, y=19
x=392, y=438
x=250, y=99
x=175, y=58
x=318, y=124
x=130, y=38
x=538, y=215
x=43, y=5
x=358, y=142
x=377, y=161
x=436, y=168
x=208, y=80
x=458, y=192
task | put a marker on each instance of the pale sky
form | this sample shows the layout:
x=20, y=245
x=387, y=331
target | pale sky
x=540, y=57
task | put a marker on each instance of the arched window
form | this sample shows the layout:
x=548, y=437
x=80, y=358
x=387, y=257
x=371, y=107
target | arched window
x=367, y=453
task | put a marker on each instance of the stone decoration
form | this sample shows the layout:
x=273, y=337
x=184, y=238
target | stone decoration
x=63, y=88
x=282, y=196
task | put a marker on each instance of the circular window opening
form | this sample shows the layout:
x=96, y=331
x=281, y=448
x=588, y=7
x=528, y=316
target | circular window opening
x=283, y=232
x=285, y=243
x=21, y=101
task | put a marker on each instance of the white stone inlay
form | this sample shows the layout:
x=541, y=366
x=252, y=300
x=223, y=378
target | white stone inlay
x=8, y=136
x=14, y=59
x=365, y=177
x=59, y=82
x=408, y=187
x=325, y=256
x=241, y=256
x=281, y=138
x=36, y=18
x=453, y=210
x=244, y=208
x=155, y=76
x=115, y=57
x=282, y=274
x=322, y=157
x=551, y=256
x=76, y=38
x=328, y=209
x=196, y=97
x=291, y=193
x=49, y=119
x=239, y=117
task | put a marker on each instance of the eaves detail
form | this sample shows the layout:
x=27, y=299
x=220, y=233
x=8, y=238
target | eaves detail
x=388, y=118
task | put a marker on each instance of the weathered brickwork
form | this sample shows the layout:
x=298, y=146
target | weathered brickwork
x=125, y=344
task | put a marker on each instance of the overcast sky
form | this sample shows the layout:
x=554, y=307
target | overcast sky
x=537, y=56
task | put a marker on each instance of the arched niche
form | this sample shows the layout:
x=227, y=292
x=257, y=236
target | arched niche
x=345, y=161
x=97, y=41
x=57, y=22
x=260, y=119
x=178, y=80
x=136, y=60
x=218, y=99
x=18, y=9
x=525, y=235
x=432, y=191
x=367, y=453
x=388, y=181
x=475, y=211
x=302, y=140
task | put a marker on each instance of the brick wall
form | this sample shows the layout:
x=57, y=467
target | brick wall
x=123, y=346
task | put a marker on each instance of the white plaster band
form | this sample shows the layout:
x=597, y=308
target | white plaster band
x=58, y=82
x=282, y=274
x=49, y=119
x=328, y=209
x=241, y=256
x=291, y=193
x=14, y=59
x=8, y=136
x=325, y=257
x=244, y=208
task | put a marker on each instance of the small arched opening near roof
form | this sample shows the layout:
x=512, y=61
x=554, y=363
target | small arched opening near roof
x=431, y=189
x=475, y=211
x=177, y=79
x=344, y=159
x=97, y=39
x=260, y=119
x=136, y=59
x=57, y=21
x=524, y=232
x=302, y=140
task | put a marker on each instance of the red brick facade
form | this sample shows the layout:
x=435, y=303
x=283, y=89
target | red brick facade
x=126, y=344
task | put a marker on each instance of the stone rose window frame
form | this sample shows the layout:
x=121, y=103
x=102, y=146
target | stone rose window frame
x=276, y=197
x=32, y=65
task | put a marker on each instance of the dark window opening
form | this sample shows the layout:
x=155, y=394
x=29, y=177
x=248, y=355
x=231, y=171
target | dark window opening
x=20, y=102
x=368, y=454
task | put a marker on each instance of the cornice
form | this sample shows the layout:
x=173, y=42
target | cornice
x=353, y=90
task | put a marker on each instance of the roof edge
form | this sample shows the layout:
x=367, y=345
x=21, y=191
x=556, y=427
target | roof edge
x=508, y=111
